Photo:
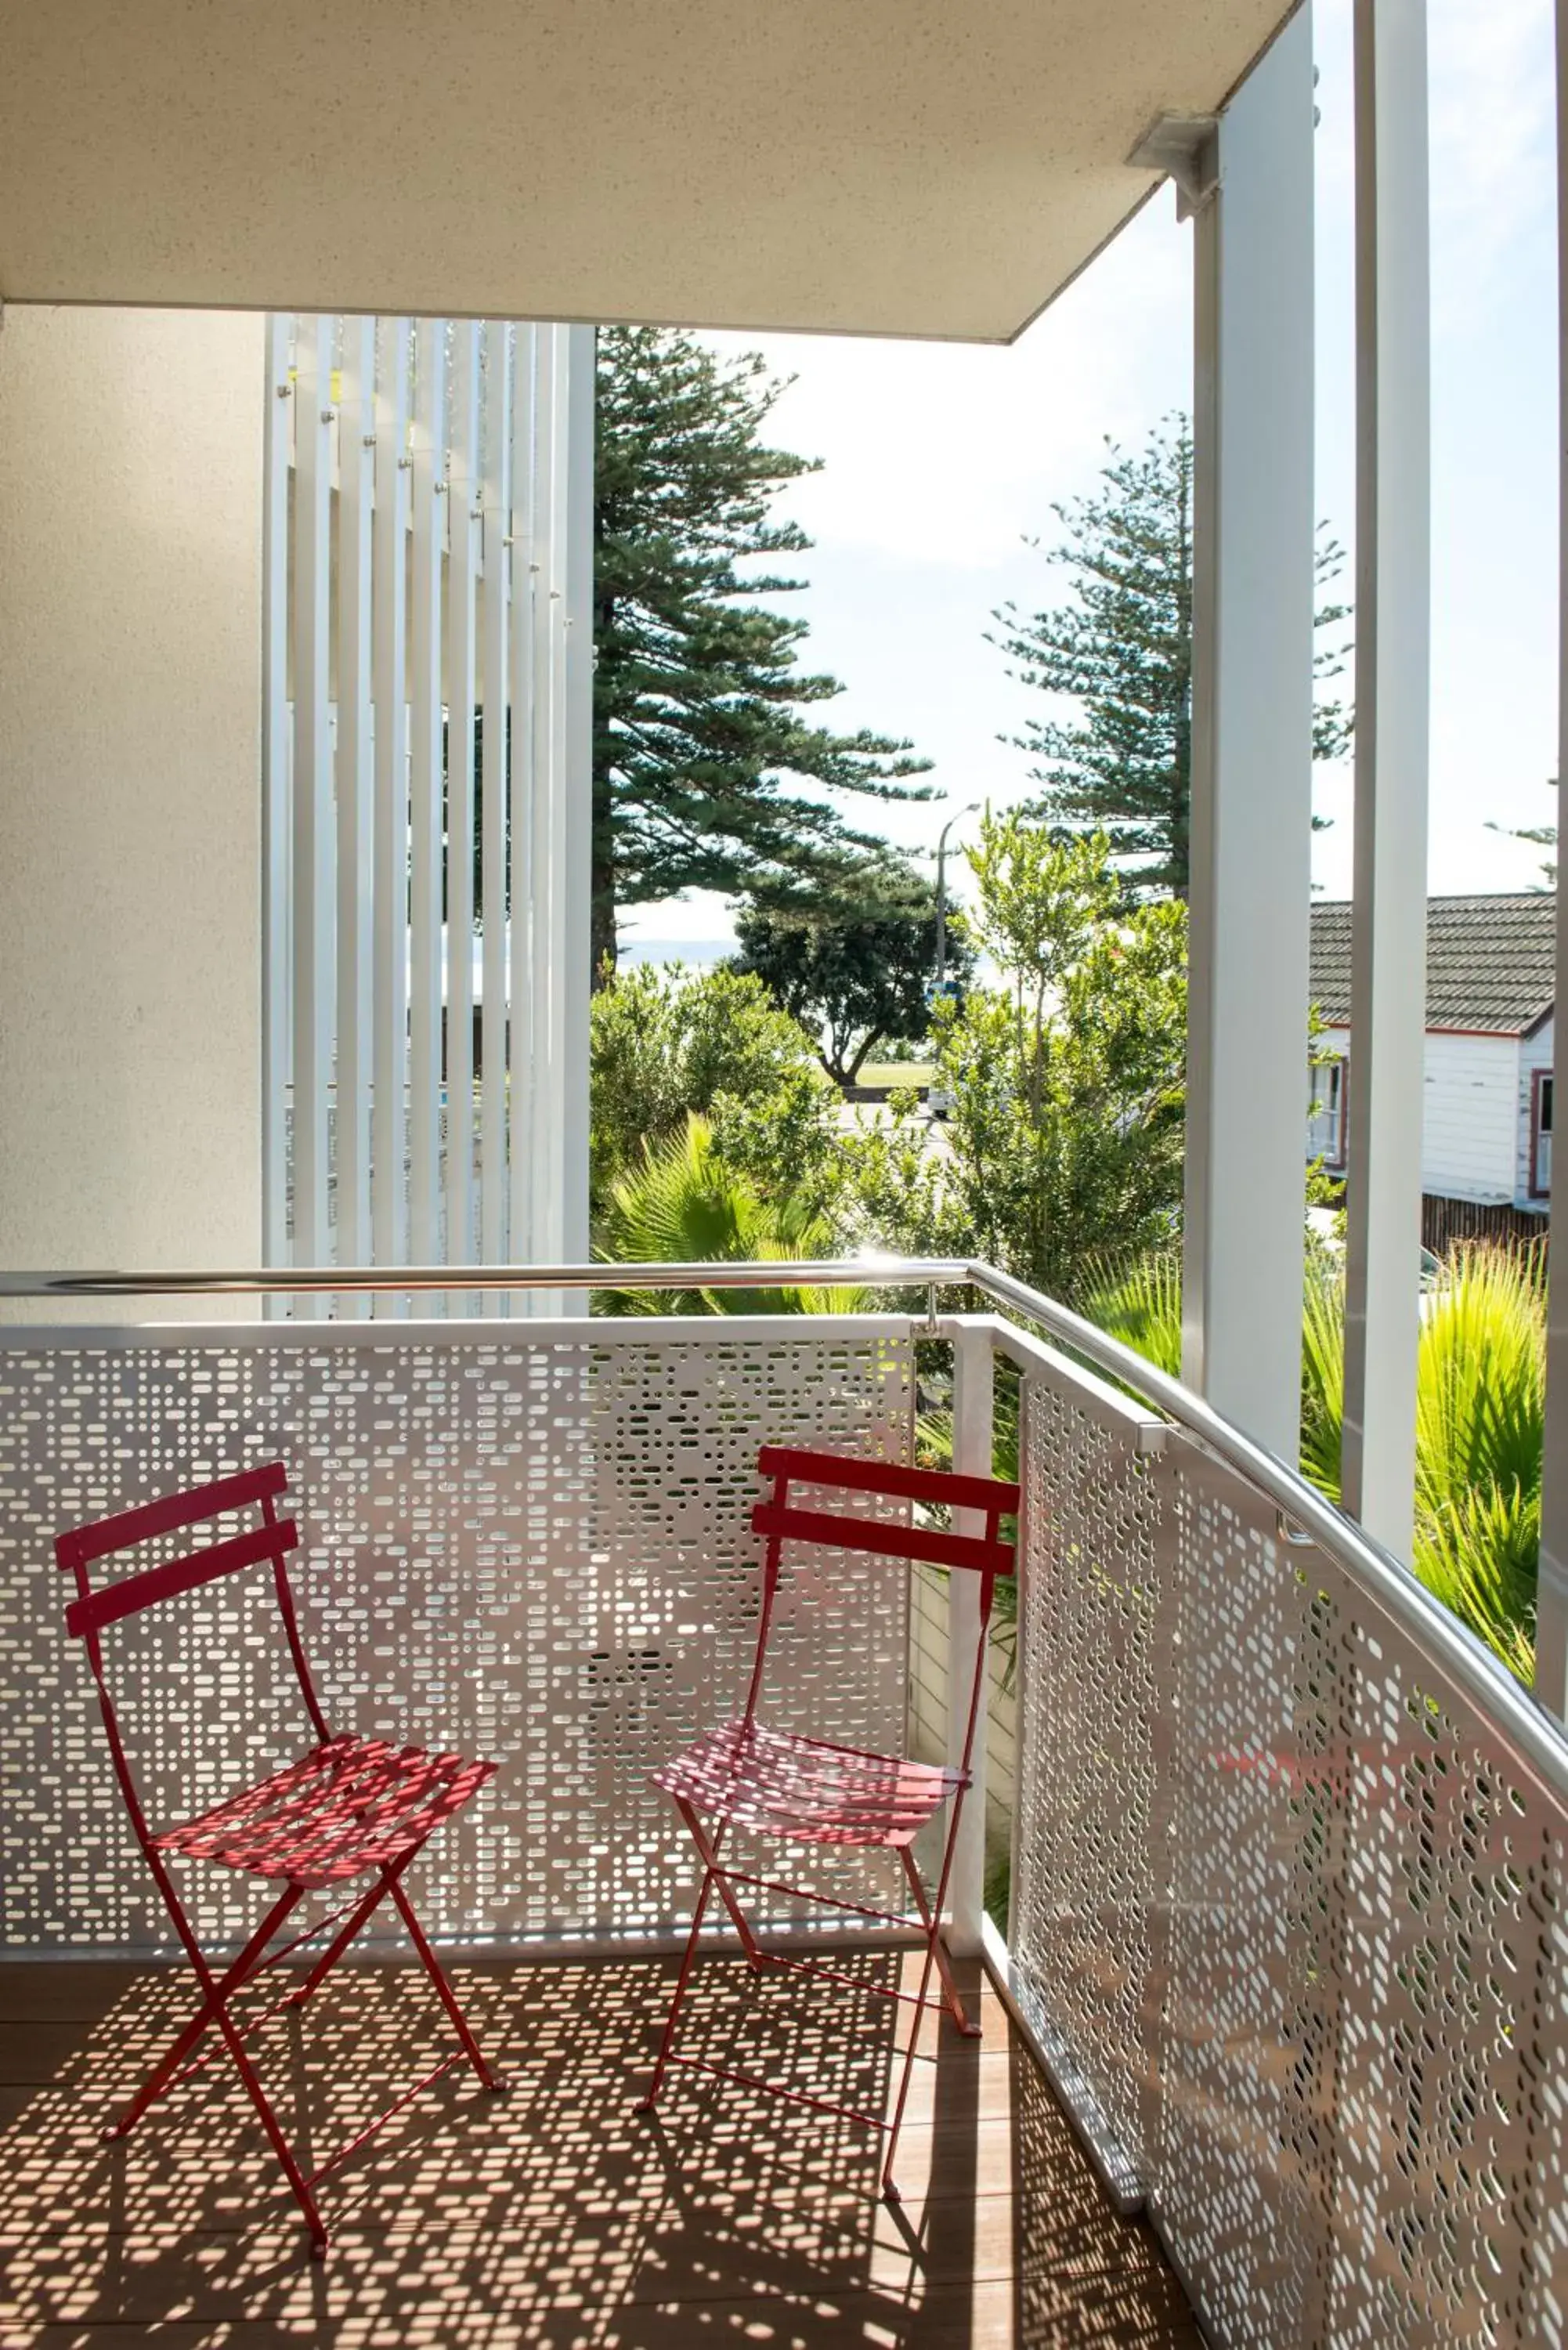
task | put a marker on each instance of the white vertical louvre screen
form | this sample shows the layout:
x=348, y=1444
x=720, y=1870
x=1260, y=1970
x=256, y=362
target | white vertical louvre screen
x=428, y=780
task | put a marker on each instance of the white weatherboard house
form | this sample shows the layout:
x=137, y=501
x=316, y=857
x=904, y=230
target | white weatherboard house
x=1486, y=1161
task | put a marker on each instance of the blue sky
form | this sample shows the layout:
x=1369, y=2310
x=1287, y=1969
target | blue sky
x=940, y=459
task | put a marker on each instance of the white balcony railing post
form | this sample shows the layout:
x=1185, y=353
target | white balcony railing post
x=974, y=1380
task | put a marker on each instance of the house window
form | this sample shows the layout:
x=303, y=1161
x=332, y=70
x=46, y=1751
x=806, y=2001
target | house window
x=1541, y=1108
x=1326, y=1105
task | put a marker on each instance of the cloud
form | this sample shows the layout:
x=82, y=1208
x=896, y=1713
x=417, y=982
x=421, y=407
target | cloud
x=1494, y=93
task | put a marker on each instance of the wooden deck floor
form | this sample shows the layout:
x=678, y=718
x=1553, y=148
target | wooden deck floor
x=553, y=2217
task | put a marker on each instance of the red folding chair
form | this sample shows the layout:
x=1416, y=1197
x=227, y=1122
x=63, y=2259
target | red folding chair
x=809, y=1791
x=350, y=1808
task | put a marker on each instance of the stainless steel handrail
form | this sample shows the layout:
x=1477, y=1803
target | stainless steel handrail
x=866, y=1272
x=1539, y=1737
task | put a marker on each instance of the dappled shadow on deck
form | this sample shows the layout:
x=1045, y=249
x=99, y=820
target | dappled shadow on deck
x=554, y=2216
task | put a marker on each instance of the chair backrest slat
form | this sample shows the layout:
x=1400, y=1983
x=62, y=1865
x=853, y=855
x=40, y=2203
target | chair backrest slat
x=783, y=1522
x=141, y=1587
x=946, y=1486
x=118, y=1600
x=83, y=1544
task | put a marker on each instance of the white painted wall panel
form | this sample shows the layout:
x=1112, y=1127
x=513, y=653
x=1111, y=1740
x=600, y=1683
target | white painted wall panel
x=130, y=631
x=1470, y=1146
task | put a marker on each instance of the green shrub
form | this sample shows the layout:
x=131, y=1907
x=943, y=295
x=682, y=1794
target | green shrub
x=666, y=1043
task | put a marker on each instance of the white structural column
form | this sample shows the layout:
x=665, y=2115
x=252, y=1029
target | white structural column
x=1251, y=752
x=1387, y=1024
x=136, y=525
x=1551, y=1598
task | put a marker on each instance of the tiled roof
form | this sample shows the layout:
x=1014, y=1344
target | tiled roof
x=1490, y=961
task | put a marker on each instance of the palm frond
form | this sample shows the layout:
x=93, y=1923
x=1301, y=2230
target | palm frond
x=1477, y=1553
x=1140, y=1304
x=685, y=1205
x=1481, y=1386
x=1323, y=1377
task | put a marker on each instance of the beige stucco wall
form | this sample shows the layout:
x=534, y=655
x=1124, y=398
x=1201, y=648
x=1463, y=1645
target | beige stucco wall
x=131, y=514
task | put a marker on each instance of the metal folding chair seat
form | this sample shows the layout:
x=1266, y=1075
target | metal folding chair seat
x=805, y=1788
x=777, y=1783
x=347, y=1809
x=352, y=1804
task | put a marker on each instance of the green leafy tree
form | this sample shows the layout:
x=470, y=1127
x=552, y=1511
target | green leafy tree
x=701, y=744
x=855, y=969
x=1121, y=646
x=666, y=1044
x=1066, y=1083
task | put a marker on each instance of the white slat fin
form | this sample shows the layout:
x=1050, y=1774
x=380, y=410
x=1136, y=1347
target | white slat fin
x=427, y=775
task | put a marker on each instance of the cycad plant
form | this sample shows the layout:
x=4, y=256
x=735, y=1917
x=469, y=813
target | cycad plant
x=1323, y=1376
x=1479, y=1419
x=685, y=1205
x=1481, y=1401
x=1140, y=1304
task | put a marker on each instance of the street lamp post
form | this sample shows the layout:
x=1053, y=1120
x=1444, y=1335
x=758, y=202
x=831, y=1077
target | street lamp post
x=942, y=891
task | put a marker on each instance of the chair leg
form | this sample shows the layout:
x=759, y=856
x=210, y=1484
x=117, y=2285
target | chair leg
x=709, y=1877
x=932, y=1914
x=280, y=2145
x=950, y=1994
x=432, y=1967
x=216, y=1995
x=889, y=2187
x=239, y=1972
x=709, y=1856
x=357, y=1917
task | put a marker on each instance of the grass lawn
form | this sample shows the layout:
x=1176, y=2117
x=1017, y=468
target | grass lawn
x=897, y=1073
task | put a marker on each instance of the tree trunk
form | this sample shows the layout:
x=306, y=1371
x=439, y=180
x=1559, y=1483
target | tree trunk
x=602, y=927
x=602, y=930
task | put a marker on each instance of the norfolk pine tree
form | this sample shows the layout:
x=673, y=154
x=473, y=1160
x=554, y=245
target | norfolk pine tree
x=699, y=743
x=1122, y=647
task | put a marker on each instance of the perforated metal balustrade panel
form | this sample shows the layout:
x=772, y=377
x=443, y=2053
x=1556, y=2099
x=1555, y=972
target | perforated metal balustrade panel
x=1093, y=1571
x=531, y=1541
x=1289, y=1909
